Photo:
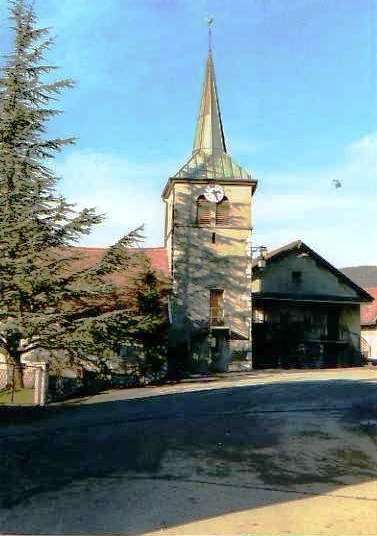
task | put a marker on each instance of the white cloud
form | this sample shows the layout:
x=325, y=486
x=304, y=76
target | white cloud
x=128, y=193
x=340, y=223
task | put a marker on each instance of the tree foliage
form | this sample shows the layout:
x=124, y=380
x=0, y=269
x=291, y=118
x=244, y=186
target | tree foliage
x=131, y=312
x=51, y=296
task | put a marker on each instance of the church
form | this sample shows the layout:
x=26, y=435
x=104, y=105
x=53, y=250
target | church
x=208, y=241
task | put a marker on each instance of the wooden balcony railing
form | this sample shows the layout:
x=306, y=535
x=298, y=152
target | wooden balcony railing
x=217, y=317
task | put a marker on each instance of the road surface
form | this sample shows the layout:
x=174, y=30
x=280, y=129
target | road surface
x=177, y=458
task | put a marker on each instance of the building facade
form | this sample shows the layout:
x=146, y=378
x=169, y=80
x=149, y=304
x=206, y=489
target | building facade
x=305, y=311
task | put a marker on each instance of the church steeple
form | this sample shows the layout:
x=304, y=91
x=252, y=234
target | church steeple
x=209, y=135
x=209, y=159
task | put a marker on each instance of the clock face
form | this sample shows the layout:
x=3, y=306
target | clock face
x=214, y=193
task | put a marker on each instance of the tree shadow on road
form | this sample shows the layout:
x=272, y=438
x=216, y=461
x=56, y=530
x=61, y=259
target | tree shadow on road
x=173, y=459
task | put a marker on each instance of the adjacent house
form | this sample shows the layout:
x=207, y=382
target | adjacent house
x=305, y=311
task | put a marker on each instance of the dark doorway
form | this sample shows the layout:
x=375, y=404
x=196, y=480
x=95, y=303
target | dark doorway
x=333, y=325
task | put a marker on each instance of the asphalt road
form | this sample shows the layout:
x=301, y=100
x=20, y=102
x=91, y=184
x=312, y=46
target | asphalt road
x=133, y=461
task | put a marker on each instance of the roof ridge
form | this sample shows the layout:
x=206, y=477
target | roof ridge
x=336, y=271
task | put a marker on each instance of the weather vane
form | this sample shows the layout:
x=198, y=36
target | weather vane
x=209, y=22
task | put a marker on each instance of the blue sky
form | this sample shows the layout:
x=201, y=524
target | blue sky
x=297, y=88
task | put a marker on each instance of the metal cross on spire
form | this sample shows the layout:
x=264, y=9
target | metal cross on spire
x=209, y=22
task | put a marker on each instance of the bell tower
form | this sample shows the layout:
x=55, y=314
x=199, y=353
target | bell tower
x=208, y=224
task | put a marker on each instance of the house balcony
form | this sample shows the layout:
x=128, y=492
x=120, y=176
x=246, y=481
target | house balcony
x=235, y=329
x=217, y=317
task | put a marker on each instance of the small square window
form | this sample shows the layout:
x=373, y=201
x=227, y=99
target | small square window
x=296, y=279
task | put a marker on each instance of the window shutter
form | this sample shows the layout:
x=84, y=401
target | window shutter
x=223, y=212
x=203, y=211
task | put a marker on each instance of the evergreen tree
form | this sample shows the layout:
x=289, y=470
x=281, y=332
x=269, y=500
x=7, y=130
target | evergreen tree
x=50, y=297
x=135, y=315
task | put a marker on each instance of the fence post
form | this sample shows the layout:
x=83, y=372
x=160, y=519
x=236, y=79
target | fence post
x=40, y=384
x=37, y=383
x=12, y=385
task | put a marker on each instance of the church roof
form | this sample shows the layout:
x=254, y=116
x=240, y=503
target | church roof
x=210, y=160
x=157, y=256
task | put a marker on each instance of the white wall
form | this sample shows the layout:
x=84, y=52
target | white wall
x=370, y=335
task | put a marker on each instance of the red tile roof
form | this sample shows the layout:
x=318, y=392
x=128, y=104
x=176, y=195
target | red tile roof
x=159, y=259
x=157, y=256
x=84, y=258
x=368, y=311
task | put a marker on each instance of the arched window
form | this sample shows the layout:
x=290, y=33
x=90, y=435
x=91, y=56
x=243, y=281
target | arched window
x=203, y=211
x=223, y=212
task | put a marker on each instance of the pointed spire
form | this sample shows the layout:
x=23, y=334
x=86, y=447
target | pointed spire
x=209, y=159
x=209, y=135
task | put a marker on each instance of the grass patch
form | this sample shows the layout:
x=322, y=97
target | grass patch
x=22, y=397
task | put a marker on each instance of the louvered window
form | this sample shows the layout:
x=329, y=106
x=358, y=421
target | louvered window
x=223, y=212
x=203, y=211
